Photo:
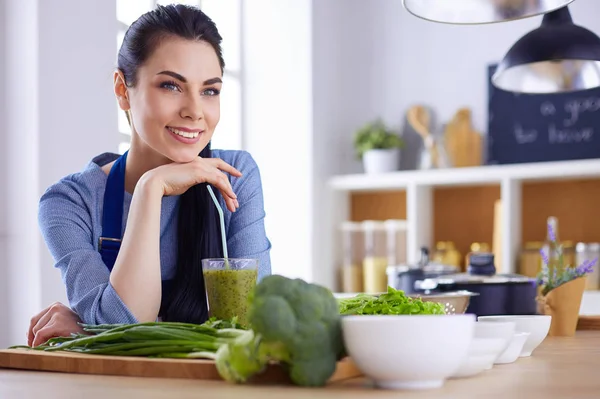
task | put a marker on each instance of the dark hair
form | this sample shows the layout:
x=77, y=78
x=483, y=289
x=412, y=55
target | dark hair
x=198, y=234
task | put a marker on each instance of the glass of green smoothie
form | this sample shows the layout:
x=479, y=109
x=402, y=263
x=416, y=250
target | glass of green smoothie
x=228, y=283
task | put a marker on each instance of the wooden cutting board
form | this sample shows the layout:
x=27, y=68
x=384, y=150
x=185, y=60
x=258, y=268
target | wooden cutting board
x=202, y=369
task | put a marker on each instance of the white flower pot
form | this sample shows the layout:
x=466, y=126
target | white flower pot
x=381, y=161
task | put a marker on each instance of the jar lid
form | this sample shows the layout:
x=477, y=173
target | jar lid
x=395, y=224
x=373, y=225
x=466, y=278
x=587, y=246
x=534, y=245
x=348, y=225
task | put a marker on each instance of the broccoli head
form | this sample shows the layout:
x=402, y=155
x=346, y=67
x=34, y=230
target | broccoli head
x=292, y=322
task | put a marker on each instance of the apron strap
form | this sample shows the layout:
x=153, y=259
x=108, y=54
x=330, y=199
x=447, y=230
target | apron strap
x=109, y=242
x=112, y=218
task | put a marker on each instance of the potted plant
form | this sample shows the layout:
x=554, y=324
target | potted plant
x=378, y=147
x=562, y=288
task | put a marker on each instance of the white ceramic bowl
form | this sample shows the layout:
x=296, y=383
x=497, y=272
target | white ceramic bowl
x=514, y=349
x=537, y=325
x=474, y=365
x=500, y=330
x=481, y=356
x=408, y=352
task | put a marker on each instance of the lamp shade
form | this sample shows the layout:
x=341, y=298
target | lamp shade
x=559, y=56
x=480, y=11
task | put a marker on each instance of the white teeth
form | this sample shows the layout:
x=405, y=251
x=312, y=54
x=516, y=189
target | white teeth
x=184, y=134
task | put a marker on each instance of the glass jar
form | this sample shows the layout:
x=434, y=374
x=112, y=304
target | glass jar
x=452, y=256
x=396, y=241
x=530, y=259
x=375, y=261
x=589, y=252
x=353, y=253
x=569, y=257
x=439, y=254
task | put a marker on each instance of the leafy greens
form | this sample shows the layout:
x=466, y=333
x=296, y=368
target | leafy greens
x=394, y=302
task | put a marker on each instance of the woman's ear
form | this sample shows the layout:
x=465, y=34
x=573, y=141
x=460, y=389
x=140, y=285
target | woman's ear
x=120, y=89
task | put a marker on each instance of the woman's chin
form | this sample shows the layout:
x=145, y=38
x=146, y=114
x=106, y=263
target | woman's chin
x=184, y=156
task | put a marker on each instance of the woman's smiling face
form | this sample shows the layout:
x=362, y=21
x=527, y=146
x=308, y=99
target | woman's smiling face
x=174, y=104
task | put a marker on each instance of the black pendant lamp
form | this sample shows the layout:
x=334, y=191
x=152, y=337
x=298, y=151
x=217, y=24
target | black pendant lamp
x=480, y=11
x=559, y=56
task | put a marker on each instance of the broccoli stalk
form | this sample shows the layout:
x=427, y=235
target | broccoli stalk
x=294, y=323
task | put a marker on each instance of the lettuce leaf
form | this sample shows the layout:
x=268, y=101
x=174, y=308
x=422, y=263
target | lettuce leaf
x=394, y=302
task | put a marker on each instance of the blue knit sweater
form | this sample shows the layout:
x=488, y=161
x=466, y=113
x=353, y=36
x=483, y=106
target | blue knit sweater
x=70, y=219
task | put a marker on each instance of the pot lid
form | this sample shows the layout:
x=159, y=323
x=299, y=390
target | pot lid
x=466, y=278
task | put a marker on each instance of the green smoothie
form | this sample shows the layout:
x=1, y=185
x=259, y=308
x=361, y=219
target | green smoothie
x=228, y=291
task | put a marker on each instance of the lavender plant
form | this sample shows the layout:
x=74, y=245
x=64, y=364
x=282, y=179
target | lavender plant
x=556, y=273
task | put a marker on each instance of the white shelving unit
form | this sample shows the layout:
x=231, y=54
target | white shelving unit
x=419, y=186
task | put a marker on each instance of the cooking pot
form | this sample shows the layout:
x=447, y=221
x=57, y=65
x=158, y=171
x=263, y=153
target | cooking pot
x=404, y=277
x=499, y=294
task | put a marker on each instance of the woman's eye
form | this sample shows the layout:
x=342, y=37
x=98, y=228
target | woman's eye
x=211, y=92
x=169, y=86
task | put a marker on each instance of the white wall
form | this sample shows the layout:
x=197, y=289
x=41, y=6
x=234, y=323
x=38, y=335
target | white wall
x=22, y=107
x=3, y=192
x=278, y=123
x=77, y=59
x=58, y=80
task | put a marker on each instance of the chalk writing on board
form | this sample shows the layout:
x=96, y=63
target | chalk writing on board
x=525, y=136
x=542, y=127
x=564, y=136
x=547, y=108
x=576, y=107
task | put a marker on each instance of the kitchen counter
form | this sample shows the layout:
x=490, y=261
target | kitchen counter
x=561, y=367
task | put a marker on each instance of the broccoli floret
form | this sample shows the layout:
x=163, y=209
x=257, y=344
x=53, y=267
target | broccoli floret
x=292, y=322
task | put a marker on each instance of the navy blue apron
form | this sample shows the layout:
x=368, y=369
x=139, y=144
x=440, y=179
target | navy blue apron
x=112, y=216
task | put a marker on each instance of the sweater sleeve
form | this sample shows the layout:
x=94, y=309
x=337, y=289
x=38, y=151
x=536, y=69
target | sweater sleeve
x=66, y=227
x=246, y=232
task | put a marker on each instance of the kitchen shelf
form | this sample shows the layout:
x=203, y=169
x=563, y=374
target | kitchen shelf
x=415, y=193
x=468, y=176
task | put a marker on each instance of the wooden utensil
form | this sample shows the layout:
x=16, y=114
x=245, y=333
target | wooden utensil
x=420, y=119
x=202, y=369
x=463, y=144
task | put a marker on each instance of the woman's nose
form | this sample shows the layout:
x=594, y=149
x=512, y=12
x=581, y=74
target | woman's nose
x=192, y=109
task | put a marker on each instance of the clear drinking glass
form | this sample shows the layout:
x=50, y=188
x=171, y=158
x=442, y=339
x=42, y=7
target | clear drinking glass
x=228, y=283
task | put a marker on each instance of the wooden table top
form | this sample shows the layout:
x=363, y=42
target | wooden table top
x=560, y=368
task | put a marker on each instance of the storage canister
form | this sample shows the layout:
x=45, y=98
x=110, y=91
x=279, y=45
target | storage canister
x=589, y=252
x=353, y=254
x=375, y=261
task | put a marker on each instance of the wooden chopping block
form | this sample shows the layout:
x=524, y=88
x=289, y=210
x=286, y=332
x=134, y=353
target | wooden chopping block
x=463, y=144
x=202, y=369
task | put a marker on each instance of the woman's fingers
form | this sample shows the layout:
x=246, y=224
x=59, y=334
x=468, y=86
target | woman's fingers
x=34, y=321
x=224, y=166
x=44, y=334
x=42, y=322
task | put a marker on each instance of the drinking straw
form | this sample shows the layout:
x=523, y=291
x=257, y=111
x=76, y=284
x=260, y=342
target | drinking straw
x=222, y=220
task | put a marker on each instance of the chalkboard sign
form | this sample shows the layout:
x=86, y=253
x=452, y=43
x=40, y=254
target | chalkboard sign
x=542, y=127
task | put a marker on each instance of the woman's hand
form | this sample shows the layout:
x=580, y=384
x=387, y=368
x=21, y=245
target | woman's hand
x=57, y=320
x=177, y=178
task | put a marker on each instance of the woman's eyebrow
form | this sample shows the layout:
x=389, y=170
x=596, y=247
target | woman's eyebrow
x=184, y=80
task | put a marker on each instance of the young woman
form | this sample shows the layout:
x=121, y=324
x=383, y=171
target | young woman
x=128, y=233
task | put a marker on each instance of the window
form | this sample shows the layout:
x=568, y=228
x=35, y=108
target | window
x=227, y=15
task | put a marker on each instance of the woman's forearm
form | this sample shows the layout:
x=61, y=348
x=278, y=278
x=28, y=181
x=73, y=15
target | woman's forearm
x=136, y=274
